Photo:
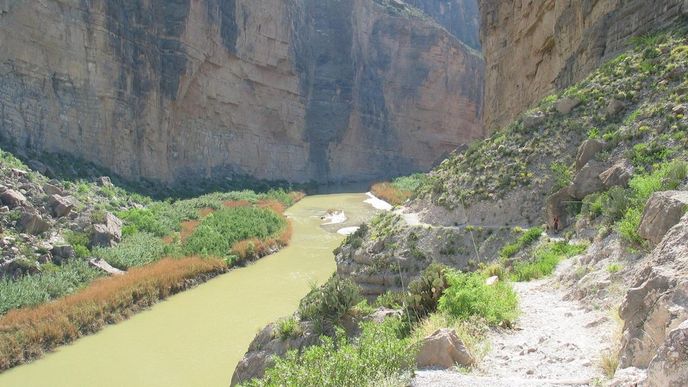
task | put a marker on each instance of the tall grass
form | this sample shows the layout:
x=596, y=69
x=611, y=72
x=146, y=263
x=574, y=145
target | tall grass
x=26, y=334
x=545, y=260
x=529, y=237
x=468, y=297
x=136, y=250
x=53, y=282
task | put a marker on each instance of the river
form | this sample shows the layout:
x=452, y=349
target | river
x=196, y=338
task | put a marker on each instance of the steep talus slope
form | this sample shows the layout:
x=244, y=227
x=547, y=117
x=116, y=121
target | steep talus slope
x=533, y=47
x=297, y=90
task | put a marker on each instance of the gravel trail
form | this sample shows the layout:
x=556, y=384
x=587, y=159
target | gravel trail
x=555, y=342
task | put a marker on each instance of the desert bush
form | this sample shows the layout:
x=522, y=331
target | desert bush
x=425, y=291
x=327, y=304
x=288, y=328
x=135, y=250
x=218, y=232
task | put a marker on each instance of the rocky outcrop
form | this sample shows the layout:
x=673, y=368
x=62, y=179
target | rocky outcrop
x=443, y=349
x=108, y=233
x=534, y=47
x=657, y=304
x=298, y=90
x=670, y=366
x=662, y=212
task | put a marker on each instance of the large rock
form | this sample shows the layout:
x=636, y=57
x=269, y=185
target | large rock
x=618, y=174
x=587, y=151
x=266, y=346
x=567, y=104
x=614, y=107
x=669, y=368
x=32, y=223
x=60, y=206
x=556, y=210
x=443, y=349
x=12, y=198
x=587, y=180
x=657, y=302
x=534, y=120
x=108, y=233
x=662, y=212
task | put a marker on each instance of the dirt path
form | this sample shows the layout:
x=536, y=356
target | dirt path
x=555, y=342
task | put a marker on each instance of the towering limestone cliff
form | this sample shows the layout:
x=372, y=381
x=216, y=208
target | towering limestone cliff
x=298, y=90
x=533, y=47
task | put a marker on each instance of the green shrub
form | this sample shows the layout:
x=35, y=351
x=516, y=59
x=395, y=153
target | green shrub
x=381, y=352
x=390, y=299
x=614, y=268
x=545, y=260
x=135, y=250
x=39, y=288
x=562, y=175
x=468, y=296
x=219, y=231
x=80, y=242
x=529, y=237
x=327, y=304
x=288, y=328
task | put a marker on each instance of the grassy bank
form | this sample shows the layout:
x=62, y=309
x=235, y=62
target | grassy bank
x=25, y=334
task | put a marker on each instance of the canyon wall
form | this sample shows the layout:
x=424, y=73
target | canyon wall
x=533, y=47
x=300, y=90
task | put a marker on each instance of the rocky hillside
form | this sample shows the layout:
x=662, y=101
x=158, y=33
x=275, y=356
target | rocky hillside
x=535, y=47
x=298, y=90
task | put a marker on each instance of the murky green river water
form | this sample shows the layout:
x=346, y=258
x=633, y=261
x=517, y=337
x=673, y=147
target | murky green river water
x=197, y=337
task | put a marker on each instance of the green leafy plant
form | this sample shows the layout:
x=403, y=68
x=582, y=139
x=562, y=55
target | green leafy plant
x=545, y=260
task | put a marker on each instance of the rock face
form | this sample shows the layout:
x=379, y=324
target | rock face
x=534, y=47
x=662, y=212
x=443, y=349
x=299, y=90
x=108, y=233
x=670, y=366
x=657, y=305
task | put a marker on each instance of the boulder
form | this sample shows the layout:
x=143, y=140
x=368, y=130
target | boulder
x=32, y=223
x=662, y=212
x=657, y=302
x=566, y=105
x=12, y=198
x=670, y=366
x=101, y=264
x=587, y=151
x=614, y=107
x=587, y=180
x=108, y=233
x=382, y=313
x=534, y=120
x=492, y=280
x=618, y=174
x=443, y=349
x=52, y=189
x=63, y=252
x=60, y=206
x=266, y=346
x=104, y=181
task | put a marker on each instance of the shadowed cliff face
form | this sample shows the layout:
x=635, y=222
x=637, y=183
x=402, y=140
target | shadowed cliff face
x=299, y=90
x=534, y=47
x=461, y=18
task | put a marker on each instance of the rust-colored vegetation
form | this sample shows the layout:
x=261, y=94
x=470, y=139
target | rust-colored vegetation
x=27, y=333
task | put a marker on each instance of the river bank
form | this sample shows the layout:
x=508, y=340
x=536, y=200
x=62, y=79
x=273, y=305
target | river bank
x=196, y=337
